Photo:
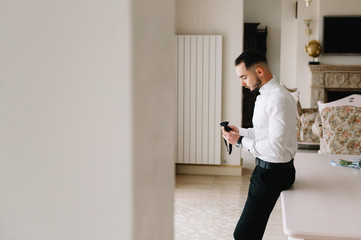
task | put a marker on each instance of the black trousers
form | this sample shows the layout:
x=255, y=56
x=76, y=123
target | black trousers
x=264, y=189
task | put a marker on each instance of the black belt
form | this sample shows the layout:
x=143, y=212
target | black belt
x=271, y=166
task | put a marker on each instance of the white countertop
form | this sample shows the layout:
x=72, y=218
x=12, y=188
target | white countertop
x=325, y=200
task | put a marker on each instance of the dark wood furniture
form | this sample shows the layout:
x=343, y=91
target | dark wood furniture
x=254, y=38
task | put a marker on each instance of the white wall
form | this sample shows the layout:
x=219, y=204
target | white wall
x=154, y=111
x=339, y=8
x=286, y=40
x=303, y=72
x=267, y=13
x=225, y=18
x=288, y=43
x=317, y=10
x=76, y=114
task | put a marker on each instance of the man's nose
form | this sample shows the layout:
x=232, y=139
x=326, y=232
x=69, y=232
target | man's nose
x=243, y=84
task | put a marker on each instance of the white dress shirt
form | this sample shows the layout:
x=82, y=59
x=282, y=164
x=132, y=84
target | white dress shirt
x=273, y=137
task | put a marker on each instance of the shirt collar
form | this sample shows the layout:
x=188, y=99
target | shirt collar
x=269, y=85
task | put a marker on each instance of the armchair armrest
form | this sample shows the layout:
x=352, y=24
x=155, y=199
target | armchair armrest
x=317, y=127
x=306, y=121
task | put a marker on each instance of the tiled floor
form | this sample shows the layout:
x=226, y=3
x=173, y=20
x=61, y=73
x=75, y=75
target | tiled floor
x=208, y=207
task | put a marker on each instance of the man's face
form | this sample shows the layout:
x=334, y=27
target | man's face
x=249, y=79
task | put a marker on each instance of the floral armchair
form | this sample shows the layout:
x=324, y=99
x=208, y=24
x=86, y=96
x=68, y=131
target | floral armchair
x=304, y=126
x=339, y=126
x=306, y=118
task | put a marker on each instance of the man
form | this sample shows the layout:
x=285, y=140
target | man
x=272, y=140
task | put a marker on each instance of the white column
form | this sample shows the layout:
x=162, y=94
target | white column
x=87, y=119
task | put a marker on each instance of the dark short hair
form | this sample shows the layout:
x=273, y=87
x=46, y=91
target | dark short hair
x=250, y=57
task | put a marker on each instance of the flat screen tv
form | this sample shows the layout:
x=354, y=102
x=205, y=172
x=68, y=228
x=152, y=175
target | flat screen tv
x=342, y=35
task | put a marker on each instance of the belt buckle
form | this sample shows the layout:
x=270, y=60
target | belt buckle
x=266, y=165
x=263, y=164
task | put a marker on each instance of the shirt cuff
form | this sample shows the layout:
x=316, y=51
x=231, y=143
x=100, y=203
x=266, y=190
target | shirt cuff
x=247, y=143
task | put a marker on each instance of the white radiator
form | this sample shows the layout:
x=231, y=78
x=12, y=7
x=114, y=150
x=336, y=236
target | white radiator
x=199, y=78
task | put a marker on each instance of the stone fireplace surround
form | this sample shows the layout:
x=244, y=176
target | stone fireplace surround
x=334, y=78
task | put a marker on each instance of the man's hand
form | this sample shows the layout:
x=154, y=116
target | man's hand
x=234, y=128
x=231, y=136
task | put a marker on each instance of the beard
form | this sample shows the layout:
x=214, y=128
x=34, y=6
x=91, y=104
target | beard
x=257, y=86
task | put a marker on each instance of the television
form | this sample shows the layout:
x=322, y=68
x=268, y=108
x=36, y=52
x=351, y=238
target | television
x=342, y=35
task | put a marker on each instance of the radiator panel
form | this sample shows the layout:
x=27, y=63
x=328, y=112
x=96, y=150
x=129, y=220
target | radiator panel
x=199, y=88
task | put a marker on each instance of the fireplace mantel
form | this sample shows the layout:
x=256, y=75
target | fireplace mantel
x=333, y=77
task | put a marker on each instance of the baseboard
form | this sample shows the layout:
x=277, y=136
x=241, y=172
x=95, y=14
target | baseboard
x=198, y=169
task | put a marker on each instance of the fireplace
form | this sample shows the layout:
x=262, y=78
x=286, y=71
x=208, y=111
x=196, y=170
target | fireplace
x=332, y=82
x=335, y=94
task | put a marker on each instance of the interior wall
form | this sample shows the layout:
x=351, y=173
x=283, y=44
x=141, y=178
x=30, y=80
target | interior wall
x=63, y=150
x=317, y=10
x=339, y=8
x=303, y=72
x=267, y=13
x=82, y=152
x=213, y=17
x=288, y=43
x=154, y=111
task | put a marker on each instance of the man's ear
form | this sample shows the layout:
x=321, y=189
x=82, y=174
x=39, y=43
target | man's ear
x=259, y=71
